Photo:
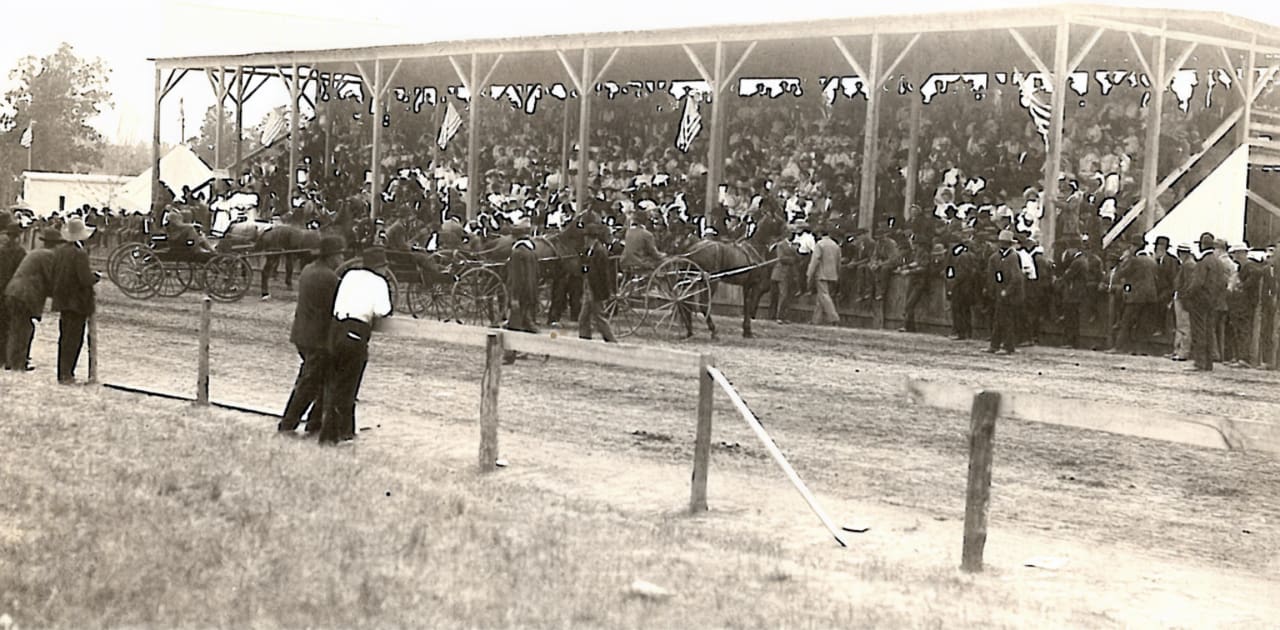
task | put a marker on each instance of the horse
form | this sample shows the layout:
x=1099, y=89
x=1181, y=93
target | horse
x=559, y=267
x=739, y=263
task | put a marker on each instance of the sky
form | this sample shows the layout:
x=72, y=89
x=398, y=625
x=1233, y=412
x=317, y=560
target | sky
x=125, y=34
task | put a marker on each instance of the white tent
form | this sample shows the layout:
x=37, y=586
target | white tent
x=179, y=167
x=1216, y=205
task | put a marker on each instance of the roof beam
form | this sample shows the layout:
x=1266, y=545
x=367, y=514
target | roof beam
x=702, y=70
x=1084, y=50
x=1238, y=81
x=382, y=89
x=1177, y=64
x=568, y=67
x=848, y=56
x=733, y=73
x=462, y=76
x=1026, y=48
x=171, y=82
x=603, y=69
x=1142, y=58
x=1184, y=36
x=1267, y=76
x=888, y=72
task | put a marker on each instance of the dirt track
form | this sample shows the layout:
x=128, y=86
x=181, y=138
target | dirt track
x=834, y=399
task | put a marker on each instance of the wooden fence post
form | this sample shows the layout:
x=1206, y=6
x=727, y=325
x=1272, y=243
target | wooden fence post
x=202, y=375
x=93, y=348
x=982, y=430
x=489, y=384
x=702, y=441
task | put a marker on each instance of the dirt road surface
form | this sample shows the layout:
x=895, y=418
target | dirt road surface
x=1151, y=531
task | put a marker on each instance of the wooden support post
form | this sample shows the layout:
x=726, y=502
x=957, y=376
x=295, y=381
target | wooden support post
x=870, y=139
x=93, y=349
x=202, y=370
x=1053, y=157
x=982, y=430
x=473, y=139
x=1151, y=163
x=1247, y=81
x=240, y=99
x=702, y=440
x=295, y=112
x=1275, y=329
x=220, y=113
x=375, y=165
x=489, y=384
x=564, y=146
x=913, y=155
x=580, y=192
x=715, y=148
x=155, y=149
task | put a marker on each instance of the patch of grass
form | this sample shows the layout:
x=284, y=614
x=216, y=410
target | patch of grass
x=123, y=511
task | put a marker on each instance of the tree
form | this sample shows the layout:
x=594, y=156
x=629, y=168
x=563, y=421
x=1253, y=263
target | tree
x=61, y=93
x=204, y=143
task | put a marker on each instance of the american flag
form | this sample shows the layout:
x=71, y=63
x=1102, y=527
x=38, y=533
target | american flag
x=690, y=124
x=25, y=141
x=274, y=125
x=449, y=127
x=1039, y=111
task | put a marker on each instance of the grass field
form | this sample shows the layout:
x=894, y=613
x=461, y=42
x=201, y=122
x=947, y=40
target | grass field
x=123, y=511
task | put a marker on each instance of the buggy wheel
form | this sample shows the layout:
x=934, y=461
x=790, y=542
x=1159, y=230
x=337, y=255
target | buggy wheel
x=116, y=259
x=677, y=291
x=480, y=298
x=428, y=301
x=227, y=277
x=133, y=270
x=625, y=309
x=171, y=279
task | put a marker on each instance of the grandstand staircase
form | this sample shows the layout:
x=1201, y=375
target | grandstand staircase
x=1264, y=138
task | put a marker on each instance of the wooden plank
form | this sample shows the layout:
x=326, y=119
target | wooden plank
x=1155, y=116
x=1031, y=52
x=1261, y=201
x=1263, y=158
x=1266, y=114
x=1053, y=157
x=982, y=431
x=202, y=370
x=870, y=141
x=489, y=384
x=1265, y=128
x=702, y=440
x=853, y=63
x=551, y=343
x=1270, y=145
x=1206, y=432
x=769, y=445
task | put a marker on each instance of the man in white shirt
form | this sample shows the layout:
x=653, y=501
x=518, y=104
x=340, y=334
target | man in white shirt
x=363, y=298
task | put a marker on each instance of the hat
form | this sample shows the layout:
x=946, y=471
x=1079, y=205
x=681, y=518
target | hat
x=1184, y=247
x=1238, y=247
x=939, y=249
x=1164, y=239
x=76, y=230
x=1005, y=236
x=331, y=245
x=372, y=257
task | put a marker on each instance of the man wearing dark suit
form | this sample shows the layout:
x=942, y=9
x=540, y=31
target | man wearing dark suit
x=11, y=255
x=1166, y=276
x=1006, y=285
x=312, y=318
x=1206, y=288
x=598, y=281
x=25, y=296
x=522, y=280
x=1136, y=279
x=963, y=281
x=640, y=250
x=1074, y=285
x=72, y=295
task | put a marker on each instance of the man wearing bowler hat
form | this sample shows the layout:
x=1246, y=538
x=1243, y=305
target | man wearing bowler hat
x=363, y=298
x=11, y=255
x=25, y=296
x=72, y=295
x=312, y=319
x=1006, y=285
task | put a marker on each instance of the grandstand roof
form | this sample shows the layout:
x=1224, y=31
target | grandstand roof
x=1203, y=27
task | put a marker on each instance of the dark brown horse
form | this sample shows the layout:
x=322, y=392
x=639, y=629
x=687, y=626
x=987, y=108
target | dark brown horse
x=738, y=263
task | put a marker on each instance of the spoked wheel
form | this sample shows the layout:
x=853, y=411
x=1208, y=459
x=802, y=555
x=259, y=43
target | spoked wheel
x=116, y=259
x=428, y=301
x=480, y=298
x=133, y=271
x=227, y=277
x=171, y=279
x=625, y=309
x=677, y=290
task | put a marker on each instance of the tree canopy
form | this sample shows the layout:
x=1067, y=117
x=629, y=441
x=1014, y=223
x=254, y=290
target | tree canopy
x=61, y=92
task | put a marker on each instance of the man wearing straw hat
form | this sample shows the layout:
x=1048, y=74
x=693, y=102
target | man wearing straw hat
x=72, y=295
x=25, y=296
